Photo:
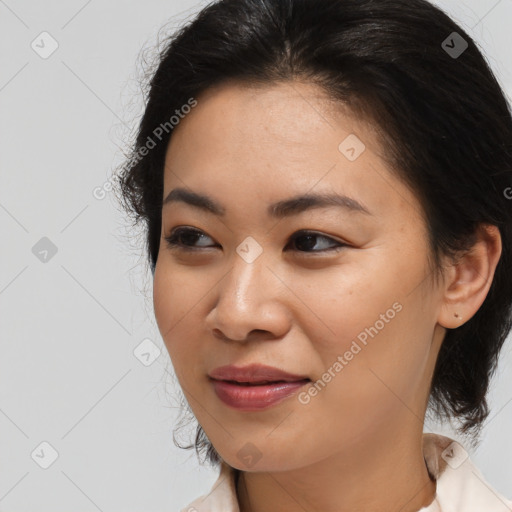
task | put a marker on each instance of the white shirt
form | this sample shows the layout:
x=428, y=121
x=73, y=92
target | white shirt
x=460, y=487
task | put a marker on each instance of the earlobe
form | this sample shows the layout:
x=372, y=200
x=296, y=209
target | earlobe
x=469, y=279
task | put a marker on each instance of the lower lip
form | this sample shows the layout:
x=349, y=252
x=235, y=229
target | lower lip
x=255, y=398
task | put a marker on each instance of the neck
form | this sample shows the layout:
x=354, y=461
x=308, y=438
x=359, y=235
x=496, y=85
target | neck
x=385, y=471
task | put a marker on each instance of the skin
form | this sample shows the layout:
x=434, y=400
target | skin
x=357, y=444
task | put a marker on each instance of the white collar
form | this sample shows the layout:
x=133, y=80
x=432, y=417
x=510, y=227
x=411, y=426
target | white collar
x=460, y=487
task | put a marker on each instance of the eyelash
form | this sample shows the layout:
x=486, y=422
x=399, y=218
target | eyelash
x=174, y=244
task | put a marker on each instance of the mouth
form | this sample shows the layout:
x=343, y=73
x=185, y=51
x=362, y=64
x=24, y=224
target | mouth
x=254, y=387
x=255, y=396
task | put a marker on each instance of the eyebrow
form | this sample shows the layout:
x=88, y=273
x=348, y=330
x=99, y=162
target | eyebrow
x=280, y=209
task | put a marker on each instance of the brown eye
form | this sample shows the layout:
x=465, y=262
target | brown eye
x=185, y=238
x=305, y=241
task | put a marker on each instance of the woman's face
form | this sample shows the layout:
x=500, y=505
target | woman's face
x=350, y=307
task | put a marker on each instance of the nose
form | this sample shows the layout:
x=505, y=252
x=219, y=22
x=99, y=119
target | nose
x=251, y=303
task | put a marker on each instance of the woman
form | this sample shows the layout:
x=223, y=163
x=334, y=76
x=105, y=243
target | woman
x=326, y=191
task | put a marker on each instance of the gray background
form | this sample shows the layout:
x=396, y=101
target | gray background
x=69, y=325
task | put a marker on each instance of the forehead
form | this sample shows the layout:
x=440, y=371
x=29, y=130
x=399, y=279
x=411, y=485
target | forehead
x=288, y=112
x=277, y=140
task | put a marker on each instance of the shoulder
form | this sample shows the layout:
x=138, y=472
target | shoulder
x=461, y=487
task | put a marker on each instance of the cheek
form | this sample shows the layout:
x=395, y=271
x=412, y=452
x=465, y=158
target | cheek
x=179, y=300
x=173, y=303
x=374, y=332
x=174, y=296
x=370, y=302
x=162, y=300
x=378, y=371
x=344, y=305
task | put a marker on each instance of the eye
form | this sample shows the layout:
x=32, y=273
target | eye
x=184, y=238
x=180, y=238
x=305, y=241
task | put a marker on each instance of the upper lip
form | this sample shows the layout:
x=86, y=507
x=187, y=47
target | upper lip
x=253, y=373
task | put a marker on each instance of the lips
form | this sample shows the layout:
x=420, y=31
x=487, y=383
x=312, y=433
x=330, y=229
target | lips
x=254, y=374
x=254, y=387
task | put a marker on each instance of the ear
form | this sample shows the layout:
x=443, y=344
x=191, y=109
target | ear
x=468, y=279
